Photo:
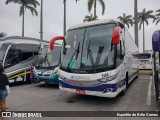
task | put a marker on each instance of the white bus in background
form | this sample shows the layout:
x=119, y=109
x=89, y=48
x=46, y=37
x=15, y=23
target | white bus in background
x=96, y=59
x=17, y=54
x=46, y=65
x=145, y=60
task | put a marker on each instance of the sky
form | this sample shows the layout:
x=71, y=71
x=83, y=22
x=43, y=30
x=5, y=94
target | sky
x=11, y=22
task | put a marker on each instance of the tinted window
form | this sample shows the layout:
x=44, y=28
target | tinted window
x=50, y=59
x=143, y=56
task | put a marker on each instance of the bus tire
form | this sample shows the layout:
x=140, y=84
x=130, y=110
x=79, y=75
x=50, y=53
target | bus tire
x=136, y=75
x=126, y=86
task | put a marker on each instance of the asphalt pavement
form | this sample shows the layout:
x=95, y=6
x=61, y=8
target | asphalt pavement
x=139, y=97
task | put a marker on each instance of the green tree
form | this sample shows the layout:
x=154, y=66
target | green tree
x=126, y=19
x=64, y=21
x=157, y=17
x=92, y=3
x=136, y=22
x=142, y=19
x=89, y=18
x=2, y=34
x=24, y=5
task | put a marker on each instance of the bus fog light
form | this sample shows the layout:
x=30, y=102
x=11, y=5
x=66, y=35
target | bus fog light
x=60, y=85
x=108, y=90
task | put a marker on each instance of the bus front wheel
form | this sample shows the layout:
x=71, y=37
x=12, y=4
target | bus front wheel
x=126, y=85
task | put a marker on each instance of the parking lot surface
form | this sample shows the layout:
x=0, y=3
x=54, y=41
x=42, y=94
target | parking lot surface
x=139, y=97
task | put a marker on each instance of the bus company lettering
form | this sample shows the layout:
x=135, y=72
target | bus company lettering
x=111, y=77
x=105, y=76
x=80, y=77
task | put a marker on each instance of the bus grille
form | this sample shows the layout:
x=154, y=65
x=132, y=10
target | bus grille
x=82, y=83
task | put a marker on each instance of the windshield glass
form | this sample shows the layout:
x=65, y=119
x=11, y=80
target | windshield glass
x=50, y=58
x=89, y=48
x=74, y=39
x=143, y=56
x=98, y=40
x=3, y=49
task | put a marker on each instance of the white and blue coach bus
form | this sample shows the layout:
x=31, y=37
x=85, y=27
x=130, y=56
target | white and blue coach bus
x=96, y=59
x=46, y=66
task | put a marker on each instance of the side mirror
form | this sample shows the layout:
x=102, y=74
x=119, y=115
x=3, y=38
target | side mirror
x=116, y=36
x=156, y=41
x=52, y=42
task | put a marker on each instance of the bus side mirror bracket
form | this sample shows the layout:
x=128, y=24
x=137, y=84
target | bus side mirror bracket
x=52, y=41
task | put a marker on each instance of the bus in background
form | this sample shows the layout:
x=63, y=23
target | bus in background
x=46, y=66
x=17, y=54
x=96, y=59
x=145, y=60
x=156, y=63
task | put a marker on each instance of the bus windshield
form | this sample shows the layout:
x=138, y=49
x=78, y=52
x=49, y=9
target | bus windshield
x=3, y=50
x=89, y=48
x=49, y=59
x=143, y=55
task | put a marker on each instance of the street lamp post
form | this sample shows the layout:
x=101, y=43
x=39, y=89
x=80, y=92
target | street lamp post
x=64, y=24
x=41, y=21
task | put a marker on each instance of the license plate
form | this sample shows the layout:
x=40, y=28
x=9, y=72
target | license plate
x=143, y=66
x=80, y=91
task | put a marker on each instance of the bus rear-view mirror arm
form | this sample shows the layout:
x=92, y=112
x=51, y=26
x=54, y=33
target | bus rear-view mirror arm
x=52, y=41
x=116, y=40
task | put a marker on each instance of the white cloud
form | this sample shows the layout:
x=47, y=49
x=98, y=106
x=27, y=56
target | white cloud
x=10, y=22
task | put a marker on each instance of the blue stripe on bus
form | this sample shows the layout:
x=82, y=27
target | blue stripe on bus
x=100, y=87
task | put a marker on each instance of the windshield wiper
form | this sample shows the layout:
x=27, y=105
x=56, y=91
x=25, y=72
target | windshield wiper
x=42, y=60
x=89, y=52
x=76, y=52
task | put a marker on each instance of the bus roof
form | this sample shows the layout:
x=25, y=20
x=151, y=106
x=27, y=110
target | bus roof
x=96, y=22
x=24, y=40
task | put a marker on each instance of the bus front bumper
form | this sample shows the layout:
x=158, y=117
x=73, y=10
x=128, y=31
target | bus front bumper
x=102, y=90
x=46, y=80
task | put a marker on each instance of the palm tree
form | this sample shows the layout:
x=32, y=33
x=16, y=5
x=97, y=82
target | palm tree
x=127, y=20
x=136, y=22
x=157, y=17
x=89, y=18
x=25, y=4
x=2, y=34
x=64, y=24
x=142, y=19
x=92, y=3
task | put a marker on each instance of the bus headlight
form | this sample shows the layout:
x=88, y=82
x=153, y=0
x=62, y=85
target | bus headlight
x=53, y=73
x=37, y=72
x=108, y=78
x=62, y=77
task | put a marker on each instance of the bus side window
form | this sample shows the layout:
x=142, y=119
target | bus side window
x=120, y=55
x=122, y=38
x=27, y=51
